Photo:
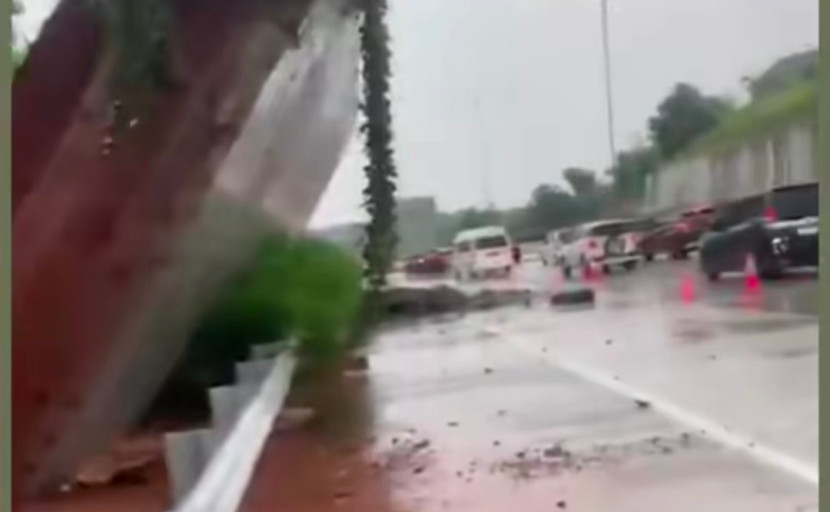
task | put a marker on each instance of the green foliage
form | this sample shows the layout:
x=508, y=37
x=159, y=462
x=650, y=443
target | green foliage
x=379, y=192
x=631, y=170
x=760, y=117
x=304, y=289
x=682, y=117
x=553, y=207
x=583, y=182
x=549, y=207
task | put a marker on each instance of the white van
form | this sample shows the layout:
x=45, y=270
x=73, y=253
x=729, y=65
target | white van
x=481, y=251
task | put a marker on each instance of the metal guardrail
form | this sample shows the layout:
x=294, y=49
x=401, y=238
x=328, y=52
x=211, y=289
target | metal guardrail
x=224, y=481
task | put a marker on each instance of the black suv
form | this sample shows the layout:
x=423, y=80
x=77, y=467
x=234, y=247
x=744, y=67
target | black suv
x=779, y=228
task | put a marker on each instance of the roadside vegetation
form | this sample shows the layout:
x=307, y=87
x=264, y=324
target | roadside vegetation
x=761, y=117
x=297, y=289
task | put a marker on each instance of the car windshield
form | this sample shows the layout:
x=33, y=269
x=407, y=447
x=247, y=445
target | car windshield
x=462, y=246
x=618, y=228
x=491, y=242
x=610, y=229
x=796, y=202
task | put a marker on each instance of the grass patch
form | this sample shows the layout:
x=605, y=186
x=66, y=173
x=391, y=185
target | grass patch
x=757, y=119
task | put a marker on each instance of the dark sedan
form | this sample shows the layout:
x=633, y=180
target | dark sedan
x=778, y=229
x=679, y=237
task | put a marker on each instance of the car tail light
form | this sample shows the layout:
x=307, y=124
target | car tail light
x=770, y=214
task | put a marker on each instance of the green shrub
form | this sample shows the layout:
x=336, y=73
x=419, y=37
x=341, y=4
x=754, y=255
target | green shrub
x=303, y=289
x=300, y=289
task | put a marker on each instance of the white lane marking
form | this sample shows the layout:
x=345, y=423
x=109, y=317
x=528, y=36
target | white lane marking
x=708, y=427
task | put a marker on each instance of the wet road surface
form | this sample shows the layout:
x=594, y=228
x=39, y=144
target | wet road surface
x=650, y=401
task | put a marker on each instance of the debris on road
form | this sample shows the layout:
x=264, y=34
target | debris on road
x=571, y=297
x=419, y=301
x=555, y=460
x=420, y=445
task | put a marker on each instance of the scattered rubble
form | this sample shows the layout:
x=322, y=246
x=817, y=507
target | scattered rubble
x=441, y=300
x=406, y=453
x=557, y=459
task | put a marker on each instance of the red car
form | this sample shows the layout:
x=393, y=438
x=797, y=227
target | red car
x=679, y=237
x=437, y=262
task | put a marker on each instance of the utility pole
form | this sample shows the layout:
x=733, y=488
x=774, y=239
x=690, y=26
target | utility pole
x=609, y=99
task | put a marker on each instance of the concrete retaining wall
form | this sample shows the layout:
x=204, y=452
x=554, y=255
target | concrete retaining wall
x=780, y=158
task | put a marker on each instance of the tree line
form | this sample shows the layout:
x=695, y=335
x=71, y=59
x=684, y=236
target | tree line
x=682, y=117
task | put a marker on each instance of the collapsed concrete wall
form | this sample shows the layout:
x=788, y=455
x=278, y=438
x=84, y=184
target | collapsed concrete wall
x=115, y=255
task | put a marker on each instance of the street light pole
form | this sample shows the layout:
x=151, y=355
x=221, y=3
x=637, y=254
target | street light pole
x=609, y=100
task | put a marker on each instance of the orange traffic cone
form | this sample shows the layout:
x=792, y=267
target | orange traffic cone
x=587, y=272
x=687, y=288
x=751, y=279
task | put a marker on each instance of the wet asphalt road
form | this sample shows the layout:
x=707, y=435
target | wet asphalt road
x=669, y=394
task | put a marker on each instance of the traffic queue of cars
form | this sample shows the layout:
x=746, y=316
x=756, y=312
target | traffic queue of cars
x=777, y=230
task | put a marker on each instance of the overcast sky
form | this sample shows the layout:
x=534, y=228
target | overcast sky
x=513, y=89
x=501, y=95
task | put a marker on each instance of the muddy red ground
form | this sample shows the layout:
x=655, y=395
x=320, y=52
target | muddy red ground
x=327, y=464
x=136, y=476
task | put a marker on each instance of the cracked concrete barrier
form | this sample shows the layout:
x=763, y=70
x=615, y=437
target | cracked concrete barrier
x=252, y=371
x=210, y=473
x=186, y=454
